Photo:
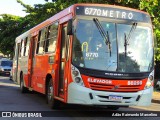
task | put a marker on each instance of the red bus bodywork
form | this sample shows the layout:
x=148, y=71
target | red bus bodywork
x=37, y=69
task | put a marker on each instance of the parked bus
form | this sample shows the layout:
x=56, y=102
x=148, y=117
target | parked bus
x=88, y=54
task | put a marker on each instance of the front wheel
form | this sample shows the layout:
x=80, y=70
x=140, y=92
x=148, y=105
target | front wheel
x=157, y=87
x=113, y=107
x=53, y=103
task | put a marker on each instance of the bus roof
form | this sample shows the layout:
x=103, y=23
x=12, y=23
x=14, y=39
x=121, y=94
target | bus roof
x=65, y=12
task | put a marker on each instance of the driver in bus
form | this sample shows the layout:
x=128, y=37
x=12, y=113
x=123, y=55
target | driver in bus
x=85, y=34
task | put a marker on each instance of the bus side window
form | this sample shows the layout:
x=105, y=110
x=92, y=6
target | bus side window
x=39, y=35
x=25, y=41
x=47, y=39
x=20, y=48
x=41, y=41
x=52, y=37
x=27, y=46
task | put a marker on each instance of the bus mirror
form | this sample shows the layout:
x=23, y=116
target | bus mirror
x=69, y=27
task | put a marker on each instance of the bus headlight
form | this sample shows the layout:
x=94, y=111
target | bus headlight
x=77, y=79
x=75, y=73
x=150, y=80
x=76, y=76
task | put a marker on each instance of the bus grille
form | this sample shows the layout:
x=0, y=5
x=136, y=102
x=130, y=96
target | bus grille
x=114, y=88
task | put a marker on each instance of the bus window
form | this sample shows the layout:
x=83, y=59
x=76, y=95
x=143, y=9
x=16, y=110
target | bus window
x=47, y=39
x=25, y=42
x=41, y=41
x=27, y=46
x=51, y=38
x=38, y=42
x=20, y=48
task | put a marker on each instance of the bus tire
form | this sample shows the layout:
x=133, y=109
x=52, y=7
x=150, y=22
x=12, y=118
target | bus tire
x=22, y=87
x=53, y=103
x=113, y=107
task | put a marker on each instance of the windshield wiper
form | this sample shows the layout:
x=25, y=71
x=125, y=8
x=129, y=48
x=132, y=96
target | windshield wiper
x=103, y=33
x=127, y=38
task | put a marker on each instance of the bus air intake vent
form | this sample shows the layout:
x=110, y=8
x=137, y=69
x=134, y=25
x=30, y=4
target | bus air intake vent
x=114, y=88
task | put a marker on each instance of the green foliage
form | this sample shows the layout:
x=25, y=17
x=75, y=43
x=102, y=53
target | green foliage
x=9, y=29
x=152, y=7
x=12, y=26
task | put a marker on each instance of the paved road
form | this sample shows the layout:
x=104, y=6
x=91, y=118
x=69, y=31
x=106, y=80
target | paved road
x=12, y=100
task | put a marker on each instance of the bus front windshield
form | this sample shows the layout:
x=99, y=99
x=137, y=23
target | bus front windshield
x=112, y=46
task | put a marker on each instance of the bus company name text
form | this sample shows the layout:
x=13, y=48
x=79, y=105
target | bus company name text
x=94, y=80
x=108, y=13
x=23, y=114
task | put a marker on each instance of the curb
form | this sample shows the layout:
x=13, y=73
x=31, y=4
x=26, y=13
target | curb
x=155, y=101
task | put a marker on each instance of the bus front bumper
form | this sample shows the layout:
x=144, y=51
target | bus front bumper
x=81, y=95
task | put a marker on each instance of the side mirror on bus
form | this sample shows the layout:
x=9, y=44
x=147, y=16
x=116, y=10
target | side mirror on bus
x=69, y=27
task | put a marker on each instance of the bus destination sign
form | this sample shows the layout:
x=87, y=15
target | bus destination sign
x=114, y=13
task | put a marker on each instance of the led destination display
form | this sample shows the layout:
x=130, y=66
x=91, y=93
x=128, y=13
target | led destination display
x=114, y=13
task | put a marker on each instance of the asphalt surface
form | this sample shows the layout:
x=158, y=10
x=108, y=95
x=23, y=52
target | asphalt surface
x=11, y=99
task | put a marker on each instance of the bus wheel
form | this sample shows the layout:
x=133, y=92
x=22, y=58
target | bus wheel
x=53, y=103
x=113, y=107
x=22, y=87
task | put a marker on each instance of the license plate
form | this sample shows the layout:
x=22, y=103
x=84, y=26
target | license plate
x=115, y=98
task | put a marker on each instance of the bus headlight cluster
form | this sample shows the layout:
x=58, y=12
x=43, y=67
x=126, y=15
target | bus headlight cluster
x=150, y=80
x=76, y=76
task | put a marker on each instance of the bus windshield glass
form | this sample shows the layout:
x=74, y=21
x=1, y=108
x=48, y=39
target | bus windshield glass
x=91, y=51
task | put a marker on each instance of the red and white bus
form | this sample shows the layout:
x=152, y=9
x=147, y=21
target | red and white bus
x=89, y=54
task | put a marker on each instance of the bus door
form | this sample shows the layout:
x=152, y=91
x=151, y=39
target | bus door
x=31, y=60
x=63, y=60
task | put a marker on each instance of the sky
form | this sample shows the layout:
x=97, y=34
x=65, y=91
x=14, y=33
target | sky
x=14, y=8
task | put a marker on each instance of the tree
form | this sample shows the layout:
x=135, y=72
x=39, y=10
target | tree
x=12, y=26
x=9, y=29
